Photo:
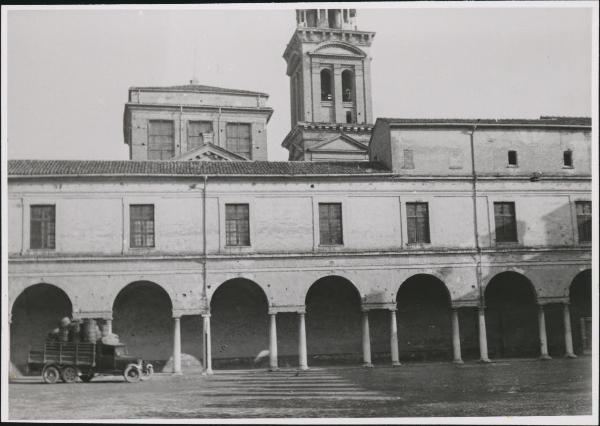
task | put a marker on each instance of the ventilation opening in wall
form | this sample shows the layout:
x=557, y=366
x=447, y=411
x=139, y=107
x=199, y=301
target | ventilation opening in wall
x=348, y=116
x=568, y=158
x=512, y=158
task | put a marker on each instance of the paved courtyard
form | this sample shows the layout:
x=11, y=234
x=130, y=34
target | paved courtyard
x=507, y=387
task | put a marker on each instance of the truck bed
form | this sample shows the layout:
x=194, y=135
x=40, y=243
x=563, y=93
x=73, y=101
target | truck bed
x=80, y=354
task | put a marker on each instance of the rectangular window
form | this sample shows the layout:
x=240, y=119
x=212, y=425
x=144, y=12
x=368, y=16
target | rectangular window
x=330, y=224
x=512, y=158
x=408, y=159
x=141, y=225
x=237, y=225
x=196, y=130
x=42, y=227
x=568, y=158
x=417, y=219
x=506, y=224
x=239, y=140
x=161, y=140
x=584, y=220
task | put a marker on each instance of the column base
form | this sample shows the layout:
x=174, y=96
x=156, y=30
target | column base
x=273, y=368
x=207, y=373
x=304, y=368
x=396, y=364
x=367, y=365
x=571, y=356
x=177, y=373
x=458, y=361
x=484, y=361
x=544, y=357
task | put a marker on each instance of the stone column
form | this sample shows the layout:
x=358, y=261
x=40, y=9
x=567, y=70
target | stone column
x=302, y=355
x=107, y=327
x=542, y=329
x=483, y=349
x=176, y=345
x=394, y=338
x=568, y=333
x=456, y=338
x=273, y=342
x=366, y=340
x=337, y=94
x=207, y=350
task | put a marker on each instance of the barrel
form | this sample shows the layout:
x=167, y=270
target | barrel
x=90, y=330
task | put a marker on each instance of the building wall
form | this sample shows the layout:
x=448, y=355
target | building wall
x=447, y=151
x=139, y=128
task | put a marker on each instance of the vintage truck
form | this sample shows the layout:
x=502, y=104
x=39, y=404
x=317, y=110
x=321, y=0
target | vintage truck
x=68, y=361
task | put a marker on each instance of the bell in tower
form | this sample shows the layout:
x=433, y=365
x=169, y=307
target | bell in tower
x=329, y=66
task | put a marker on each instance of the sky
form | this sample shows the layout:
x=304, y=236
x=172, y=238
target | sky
x=68, y=71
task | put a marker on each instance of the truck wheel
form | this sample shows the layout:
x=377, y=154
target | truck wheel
x=50, y=374
x=69, y=374
x=132, y=374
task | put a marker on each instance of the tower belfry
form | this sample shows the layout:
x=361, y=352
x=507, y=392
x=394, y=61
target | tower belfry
x=329, y=66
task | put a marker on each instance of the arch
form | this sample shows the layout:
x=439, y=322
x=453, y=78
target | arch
x=339, y=47
x=580, y=298
x=424, y=318
x=326, y=85
x=142, y=318
x=511, y=315
x=239, y=321
x=333, y=321
x=37, y=310
x=347, y=86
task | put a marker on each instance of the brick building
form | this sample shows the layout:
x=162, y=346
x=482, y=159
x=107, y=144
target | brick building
x=454, y=239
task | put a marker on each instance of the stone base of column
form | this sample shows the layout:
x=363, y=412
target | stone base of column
x=177, y=373
x=571, y=356
x=396, y=364
x=304, y=368
x=484, y=360
x=544, y=357
x=458, y=361
x=367, y=365
x=273, y=368
x=207, y=373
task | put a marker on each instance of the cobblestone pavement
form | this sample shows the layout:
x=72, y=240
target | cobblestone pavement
x=507, y=387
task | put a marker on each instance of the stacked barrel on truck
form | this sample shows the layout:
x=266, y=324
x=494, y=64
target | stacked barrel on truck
x=65, y=357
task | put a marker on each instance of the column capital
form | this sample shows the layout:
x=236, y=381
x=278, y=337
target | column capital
x=369, y=306
x=275, y=309
x=549, y=300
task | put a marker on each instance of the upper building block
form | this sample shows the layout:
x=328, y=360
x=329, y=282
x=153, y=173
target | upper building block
x=196, y=122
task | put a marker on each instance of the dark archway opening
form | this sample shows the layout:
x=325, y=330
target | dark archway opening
x=240, y=325
x=326, y=86
x=580, y=296
x=35, y=312
x=511, y=316
x=333, y=322
x=424, y=319
x=142, y=318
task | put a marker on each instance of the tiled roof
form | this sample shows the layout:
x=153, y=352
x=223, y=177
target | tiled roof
x=199, y=88
x=190, y=168
x=543, y=120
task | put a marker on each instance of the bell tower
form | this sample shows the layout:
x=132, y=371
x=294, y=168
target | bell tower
x=329, y=66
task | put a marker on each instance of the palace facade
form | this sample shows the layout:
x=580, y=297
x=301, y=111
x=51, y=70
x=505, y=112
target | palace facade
x=403, y=239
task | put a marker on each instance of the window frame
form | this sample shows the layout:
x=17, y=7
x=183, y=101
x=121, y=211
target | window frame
x=330, y=243
x=237, y=138
x=152, y=120
x=43, y=238
x=579, y=223
x=331, y=84
x=189, y=125
x=247, y=243
x=416, y=218
x=514, y=238
x=568, y=152
x=144, y=233
x=516, y=158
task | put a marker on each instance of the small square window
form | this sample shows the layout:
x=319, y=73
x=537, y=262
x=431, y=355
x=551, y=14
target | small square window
x=568, y=158
x=512, y=158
